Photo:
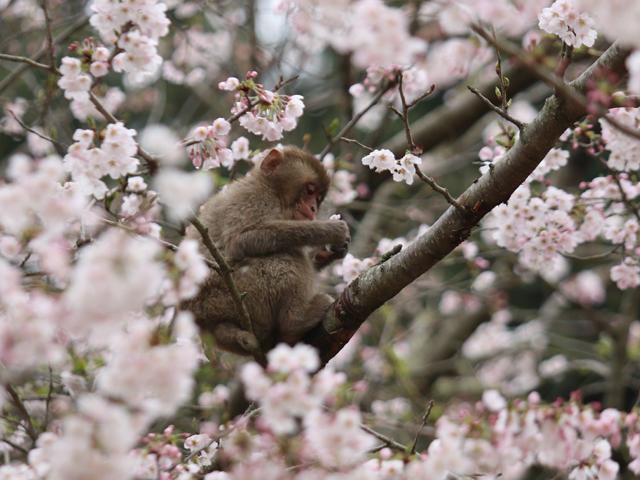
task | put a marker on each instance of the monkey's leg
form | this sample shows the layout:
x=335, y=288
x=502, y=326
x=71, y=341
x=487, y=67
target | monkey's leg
x=234, y=339
x=295, y=322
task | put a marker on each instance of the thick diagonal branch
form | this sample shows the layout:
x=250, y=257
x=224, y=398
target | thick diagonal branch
x=382, y=282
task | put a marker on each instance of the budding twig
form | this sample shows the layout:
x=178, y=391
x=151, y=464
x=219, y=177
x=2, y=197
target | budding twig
x=503, y=113
x=561, y=88
x=225, y=272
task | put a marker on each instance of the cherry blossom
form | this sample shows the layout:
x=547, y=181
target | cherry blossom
x=574, y=27
x=113, y=19
x=182, y=192
x=624, y=149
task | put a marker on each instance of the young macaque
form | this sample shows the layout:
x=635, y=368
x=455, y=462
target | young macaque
x=265, y=226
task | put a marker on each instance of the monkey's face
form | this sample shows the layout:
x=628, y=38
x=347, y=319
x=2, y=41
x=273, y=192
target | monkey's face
x=299, y=180
x=308, y=203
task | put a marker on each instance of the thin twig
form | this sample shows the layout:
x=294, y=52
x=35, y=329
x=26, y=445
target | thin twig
x=47, y=408
x=504, y=102
x=50, y=45
x=15, y=446
x=22, y=410
x=422, y=97
x=28, y=61
x=226, y=274
x=425, y=417
x=361, y=145
x=390, y=442
x=566, y=53
x=59, y=146
x=440, y=189
x=355, y=119
x=503, y=113
x=405, y=116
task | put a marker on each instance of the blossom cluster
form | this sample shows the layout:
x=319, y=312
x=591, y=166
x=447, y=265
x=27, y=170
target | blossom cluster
x=138, y=377
x=403, y=169
x=208, y=147
x=611, y=23
x=261, y=111
x=539, y=228
x=624, y=150
x=455, y=18
x=134, y=28
x=542, y=226
x=94, y=308
x=574, y=27
x=78, y=75
x=88, y=164
x=375, y=33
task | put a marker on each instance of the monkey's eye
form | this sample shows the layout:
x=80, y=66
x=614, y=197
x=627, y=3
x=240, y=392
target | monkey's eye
x=311, y=188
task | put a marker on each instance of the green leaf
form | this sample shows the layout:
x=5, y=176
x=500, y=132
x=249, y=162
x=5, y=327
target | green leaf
x=334, y=127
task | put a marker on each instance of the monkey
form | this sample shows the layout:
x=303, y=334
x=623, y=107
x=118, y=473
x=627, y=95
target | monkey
x=265, y=226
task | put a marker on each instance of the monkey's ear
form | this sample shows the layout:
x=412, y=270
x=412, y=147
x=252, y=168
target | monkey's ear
x=271, y=161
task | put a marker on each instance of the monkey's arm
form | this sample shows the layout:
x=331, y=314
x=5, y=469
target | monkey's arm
x=281, y=235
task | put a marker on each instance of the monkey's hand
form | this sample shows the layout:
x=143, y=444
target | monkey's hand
x=325, y=256
x=340, y=237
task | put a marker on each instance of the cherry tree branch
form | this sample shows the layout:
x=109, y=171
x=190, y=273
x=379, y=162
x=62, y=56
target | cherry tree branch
x=382, y=282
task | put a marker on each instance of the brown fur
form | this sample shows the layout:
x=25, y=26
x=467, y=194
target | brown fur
x=252, y=222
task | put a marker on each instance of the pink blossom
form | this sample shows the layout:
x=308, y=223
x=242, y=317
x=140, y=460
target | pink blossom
x=575, y=28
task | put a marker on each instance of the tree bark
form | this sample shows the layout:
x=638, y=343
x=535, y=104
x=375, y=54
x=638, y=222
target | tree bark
x=382, y=282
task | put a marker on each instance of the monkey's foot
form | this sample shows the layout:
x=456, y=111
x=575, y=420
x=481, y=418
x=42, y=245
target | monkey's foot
x=249, y=343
